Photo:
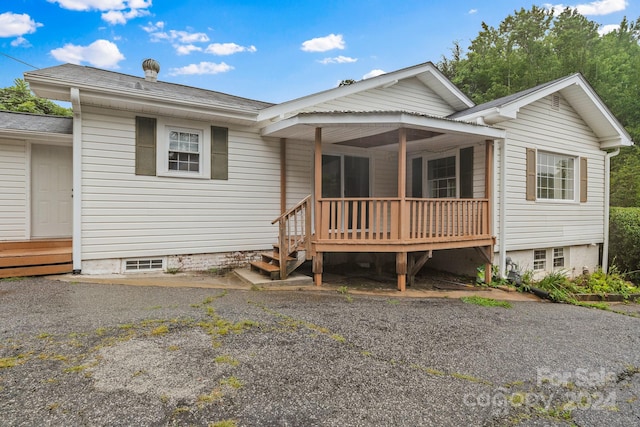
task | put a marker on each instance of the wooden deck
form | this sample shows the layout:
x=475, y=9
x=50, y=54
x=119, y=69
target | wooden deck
x=35, y=258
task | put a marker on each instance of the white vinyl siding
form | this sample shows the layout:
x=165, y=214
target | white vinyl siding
x=385, y=174
x=407, y=95
x=13, y=190
x=130, y=216
x=547, y=223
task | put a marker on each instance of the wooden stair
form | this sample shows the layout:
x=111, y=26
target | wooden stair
x=270, y=263
x=35, y=258
x=294, y=235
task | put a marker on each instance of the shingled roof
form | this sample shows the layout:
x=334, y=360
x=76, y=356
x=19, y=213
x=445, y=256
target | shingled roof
x=11, y=120
x=89, y=77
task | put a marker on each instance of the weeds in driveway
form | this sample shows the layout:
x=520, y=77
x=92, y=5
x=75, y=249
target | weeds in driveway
x=485, y=302
x=224, y=358
x=345, y=291
x=224, y=423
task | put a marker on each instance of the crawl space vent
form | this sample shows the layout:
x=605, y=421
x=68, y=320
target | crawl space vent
x=143, y=264
x=555, y=102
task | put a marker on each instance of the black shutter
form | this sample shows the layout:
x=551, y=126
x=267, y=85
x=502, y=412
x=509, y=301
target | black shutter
x=145, y=146
x=466, y=173
x=219, y=153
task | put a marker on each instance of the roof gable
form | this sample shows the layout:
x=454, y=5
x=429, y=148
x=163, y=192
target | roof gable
x=578, y=93
x=426, y=73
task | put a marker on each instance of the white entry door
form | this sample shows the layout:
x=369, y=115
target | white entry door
x=51, y=196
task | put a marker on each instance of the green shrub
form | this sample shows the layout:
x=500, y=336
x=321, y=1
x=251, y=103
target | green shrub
x=624, y=241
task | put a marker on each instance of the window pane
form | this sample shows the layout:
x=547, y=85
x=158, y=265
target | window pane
x=356, y=176
x=555, y=176
x=331, y=176
x=539, y=259
x=441, y=177
x=184, y=151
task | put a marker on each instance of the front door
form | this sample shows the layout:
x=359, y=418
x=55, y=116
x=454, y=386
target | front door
x=51, y=184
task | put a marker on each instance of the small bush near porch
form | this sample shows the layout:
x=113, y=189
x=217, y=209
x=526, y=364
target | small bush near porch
x=624, y=238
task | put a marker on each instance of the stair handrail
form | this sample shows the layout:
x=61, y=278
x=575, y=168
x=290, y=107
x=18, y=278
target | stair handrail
x=287, y=246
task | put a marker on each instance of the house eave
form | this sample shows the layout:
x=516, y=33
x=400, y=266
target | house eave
x=367, y=124
x=139, y=102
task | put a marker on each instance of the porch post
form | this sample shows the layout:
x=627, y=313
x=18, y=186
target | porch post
x=317, y=191
x=401, y=257
x=488, y=194
x=283, y=175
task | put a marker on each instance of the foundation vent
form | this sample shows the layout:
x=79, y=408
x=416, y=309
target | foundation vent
x=143, y=264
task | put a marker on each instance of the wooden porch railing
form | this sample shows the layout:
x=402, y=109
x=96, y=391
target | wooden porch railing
x=378, y=220
x=294, y=232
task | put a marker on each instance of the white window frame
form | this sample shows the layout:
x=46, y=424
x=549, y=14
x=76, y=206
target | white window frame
x=162, y=157
x=576, y=178
x=549, y=257
x=539, y=256
x=556, y=255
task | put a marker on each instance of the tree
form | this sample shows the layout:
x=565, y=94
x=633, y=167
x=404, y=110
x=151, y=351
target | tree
x=19, y=98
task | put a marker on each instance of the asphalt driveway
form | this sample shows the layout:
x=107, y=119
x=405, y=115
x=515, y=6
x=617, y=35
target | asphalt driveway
x=95, y=354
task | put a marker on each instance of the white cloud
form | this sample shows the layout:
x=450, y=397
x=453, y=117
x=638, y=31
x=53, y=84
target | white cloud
x=84, y=5
x=373, y=73
x=175, y=36
x=153, y=28
x=201, y=68
x=606, y=29
x=473, y=11
x=114, y=11
x=338, y=60
x=323, y=44
x=114, y=17
x=15, y=25
x=223, y=49
x=598, y=7
x=186, y=49
x=20, y=41
x=101, y=53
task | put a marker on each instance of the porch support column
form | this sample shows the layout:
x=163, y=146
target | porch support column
x=403, y=230
x=317, y=192
x=488, y=194
x=401, y=270
x=283, y=175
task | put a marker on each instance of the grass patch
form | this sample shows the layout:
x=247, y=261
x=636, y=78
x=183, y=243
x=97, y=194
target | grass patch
x=160, y=330
x=215, y=394
x=224, y=423
x=226, y=359
x=232, y=382
x=338, y=338
x=485, y=302
x=9, y=362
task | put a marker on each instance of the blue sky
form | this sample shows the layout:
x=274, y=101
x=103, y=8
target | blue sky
x=266, y=50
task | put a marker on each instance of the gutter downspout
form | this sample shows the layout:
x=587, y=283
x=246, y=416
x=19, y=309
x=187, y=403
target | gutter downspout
x=503, y=208
x=77, y=181
x=607, y=190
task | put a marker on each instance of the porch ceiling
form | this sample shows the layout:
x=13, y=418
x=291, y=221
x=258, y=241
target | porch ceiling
x=377, y=129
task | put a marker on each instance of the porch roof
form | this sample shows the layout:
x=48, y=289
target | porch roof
x=376, y=128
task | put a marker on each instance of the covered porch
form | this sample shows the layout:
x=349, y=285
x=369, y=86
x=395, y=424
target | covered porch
x=429, y=213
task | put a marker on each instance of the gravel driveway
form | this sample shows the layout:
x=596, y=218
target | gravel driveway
x=76, y=354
